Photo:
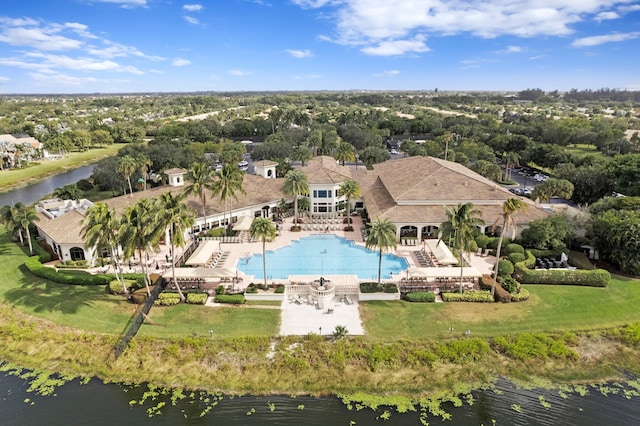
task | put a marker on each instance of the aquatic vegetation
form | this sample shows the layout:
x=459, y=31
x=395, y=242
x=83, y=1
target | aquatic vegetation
x=544, y=402
x=517, y=408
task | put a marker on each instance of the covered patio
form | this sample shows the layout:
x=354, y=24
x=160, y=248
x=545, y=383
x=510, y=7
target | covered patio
x=437, y=279
x=439, y=252
x=201, y=278
x=203, y=256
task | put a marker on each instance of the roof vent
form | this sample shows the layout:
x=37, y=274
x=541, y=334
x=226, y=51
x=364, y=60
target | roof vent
x=437, y=183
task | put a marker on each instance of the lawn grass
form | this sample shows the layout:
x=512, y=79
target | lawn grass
x=551, y=308
x=14, y=178
x=195, y=320
x=91, y=308
x=582, y=150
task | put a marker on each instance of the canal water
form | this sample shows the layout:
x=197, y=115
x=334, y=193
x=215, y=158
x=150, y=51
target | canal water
x=36, y=191
x=97, y=403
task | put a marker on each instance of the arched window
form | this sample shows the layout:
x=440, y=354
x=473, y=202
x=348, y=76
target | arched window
x=76, y=253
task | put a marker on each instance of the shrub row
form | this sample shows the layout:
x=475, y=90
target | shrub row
x=115, y=286
x=197, y=298
x=520, y=296
x=233, y=299
x=36, y=268
x=420, y=296
x=43, y=255
x=592, y=278
x=167, y=298
x=374, y=287
x=72, y=264
x=470, y=296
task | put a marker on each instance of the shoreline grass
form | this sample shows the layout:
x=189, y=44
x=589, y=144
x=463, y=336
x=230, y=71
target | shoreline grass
x=17, y=178
x=408, y=351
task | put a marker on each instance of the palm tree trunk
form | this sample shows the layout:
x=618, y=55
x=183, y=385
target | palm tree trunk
x=495, y=270
x=130, y=188
x=204, y=212
x=29, y=241
x=461, y=270
x=295, y=209
x=348, y=213
x=116, y=269
x=379, y=264
x=20, y=237
x=173, y=267
x=144, y=273
x=264, y=261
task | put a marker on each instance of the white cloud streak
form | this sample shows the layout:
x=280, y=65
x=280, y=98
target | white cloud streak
x=127, y=4
x=191, y=20
x=299, y=53
x=602, y=39
x=193, y=7
x=239, y=72
x=179, y=62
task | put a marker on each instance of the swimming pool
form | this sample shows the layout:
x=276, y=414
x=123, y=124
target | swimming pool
x=322, y=254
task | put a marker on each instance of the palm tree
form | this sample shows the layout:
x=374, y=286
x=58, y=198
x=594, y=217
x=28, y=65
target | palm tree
x=201, y=178
x=509, y=207
x=178, y=217
x=100, y=231
x=510, y=159
x=140, y=231
x=23, y=217
x=144, y=163
x=345, y=152
x=263, y=229
x=382, y=234
x=301, y=153
x=296, y=184
x=127, y=165
x=350, y=189
x=228, y=184
x=460, y=227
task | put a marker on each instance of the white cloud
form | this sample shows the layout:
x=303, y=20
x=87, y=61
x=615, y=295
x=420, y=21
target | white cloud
x=387, y=73
x=535, y=58
x=299, y=53
x=239, y=72
x=193, y=7
x=127, y=4
x=69, y=80
x=51, y=62
x=604, y=16
x=4, y=79
x=396, y=47
x=191, y=20
x=114, y=50
x=307, y=77
x=45, y=38
x=602, y=39
x=379, y=27
x=179, y=62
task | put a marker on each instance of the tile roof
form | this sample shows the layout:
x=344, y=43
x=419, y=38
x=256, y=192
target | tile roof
x=258, y=191
x=415, y=189
x=325, y=170
x=64, y=229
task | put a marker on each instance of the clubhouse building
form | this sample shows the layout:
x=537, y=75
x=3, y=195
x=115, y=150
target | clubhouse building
x=411, y=192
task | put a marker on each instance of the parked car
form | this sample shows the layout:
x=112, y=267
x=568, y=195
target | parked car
x=244, y=165
x=539, y=177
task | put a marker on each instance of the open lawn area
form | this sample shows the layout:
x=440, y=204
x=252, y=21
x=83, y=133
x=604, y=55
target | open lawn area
x=13, y=178
x=582, y=150
x=196, y=320
x=550, y=308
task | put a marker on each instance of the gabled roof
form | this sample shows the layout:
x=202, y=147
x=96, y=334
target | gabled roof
x=325, y=170
x=416, y=190
x=64, y=229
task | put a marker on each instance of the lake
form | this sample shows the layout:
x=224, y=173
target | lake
x=34, y=192
x=107, y=404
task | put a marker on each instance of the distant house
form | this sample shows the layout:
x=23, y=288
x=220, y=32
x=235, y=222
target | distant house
x=14, y=149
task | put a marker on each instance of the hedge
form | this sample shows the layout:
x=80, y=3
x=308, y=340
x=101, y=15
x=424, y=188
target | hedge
x=516, y=257
x=36, y=268
x=115, y=286
x=420, y=296
x=197, y=298
x=40, y=251
x=374, y=287
x=233, y=299
x=513, y=248
x=521, y=295
x=472, y=296
x=591, y=278
x=505, y=267
x=167, y=298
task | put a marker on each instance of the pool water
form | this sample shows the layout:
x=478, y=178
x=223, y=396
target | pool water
x=323, y=254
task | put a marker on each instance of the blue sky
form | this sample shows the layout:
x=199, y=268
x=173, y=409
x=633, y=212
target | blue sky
x=108, y=46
